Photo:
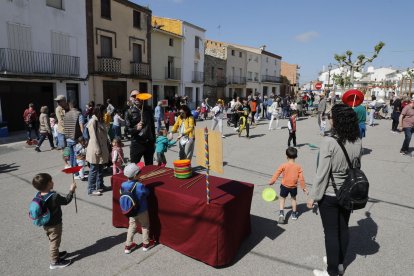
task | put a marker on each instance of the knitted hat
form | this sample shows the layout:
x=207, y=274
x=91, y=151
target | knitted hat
x=131, y=170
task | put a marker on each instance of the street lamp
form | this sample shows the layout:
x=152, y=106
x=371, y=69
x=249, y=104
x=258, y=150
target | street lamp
x=329, y=74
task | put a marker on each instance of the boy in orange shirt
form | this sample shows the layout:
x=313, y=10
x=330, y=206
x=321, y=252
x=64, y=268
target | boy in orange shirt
x=292, y=172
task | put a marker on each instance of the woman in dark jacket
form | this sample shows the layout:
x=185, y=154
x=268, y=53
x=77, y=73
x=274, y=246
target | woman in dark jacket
x=333, y=168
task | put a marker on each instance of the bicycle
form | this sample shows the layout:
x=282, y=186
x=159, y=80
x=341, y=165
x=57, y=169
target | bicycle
x=243, y=124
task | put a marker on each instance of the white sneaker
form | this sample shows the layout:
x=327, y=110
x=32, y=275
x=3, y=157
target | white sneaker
x=236, y=129
x=341, y=269
x=77, y=177
x=318, y=272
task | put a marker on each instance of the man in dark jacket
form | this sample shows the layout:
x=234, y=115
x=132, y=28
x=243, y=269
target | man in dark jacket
x=142, y=130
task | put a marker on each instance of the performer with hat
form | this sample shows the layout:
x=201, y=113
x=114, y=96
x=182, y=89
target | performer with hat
x=140, y=124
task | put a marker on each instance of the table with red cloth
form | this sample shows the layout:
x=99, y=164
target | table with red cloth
x=181, y=219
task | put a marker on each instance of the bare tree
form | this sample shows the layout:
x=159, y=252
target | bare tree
x=345, y=61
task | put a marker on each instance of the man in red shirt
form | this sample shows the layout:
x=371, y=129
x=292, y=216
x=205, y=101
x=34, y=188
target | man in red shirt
x=30, y=120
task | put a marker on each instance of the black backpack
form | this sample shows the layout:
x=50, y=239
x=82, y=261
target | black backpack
x=353, y=194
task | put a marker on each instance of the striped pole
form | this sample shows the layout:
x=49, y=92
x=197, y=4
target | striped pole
x=207, y=164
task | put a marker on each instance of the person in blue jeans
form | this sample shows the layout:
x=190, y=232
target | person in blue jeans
x=406, y=124
x=158, y=116
x=97, y=152
x=73, y=122
x=116, y=125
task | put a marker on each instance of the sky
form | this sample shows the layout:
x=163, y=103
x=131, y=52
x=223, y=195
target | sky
x=304, y=32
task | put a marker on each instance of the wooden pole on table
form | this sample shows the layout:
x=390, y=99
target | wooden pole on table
x=207, y=164
x=74, y=194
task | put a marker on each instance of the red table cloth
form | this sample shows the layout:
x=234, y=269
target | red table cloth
x=181, y=219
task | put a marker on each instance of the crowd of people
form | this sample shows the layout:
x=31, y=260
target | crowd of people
x=84, y=139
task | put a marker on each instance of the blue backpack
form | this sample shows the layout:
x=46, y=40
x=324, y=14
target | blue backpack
x=38, y=211
x=129, y=202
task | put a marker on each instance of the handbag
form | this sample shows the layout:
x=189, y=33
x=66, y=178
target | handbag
x=353, y=194
x=184, y=140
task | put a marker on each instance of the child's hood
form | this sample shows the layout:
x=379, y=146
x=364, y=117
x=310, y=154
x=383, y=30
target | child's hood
x=162, y=139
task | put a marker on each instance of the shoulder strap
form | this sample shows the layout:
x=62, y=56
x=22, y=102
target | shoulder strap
x=47, y=196
x=345, y=152
x=133, y=187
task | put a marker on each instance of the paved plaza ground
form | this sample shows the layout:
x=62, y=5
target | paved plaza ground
x=381, y=240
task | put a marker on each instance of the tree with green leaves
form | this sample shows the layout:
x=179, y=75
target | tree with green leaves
x=345, y=61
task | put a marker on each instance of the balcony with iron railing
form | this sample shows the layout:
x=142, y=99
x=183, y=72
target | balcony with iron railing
x=142, y=70
x=172, y=73
x=38, y=63
x=267, y=78
x=198, y=77
x=109, y=65
x=236, y=80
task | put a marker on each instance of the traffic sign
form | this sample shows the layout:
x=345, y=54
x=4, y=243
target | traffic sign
x=318, y=85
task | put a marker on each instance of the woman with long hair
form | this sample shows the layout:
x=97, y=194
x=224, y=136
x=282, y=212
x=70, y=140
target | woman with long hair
x=333, y=168
x=184, y=125
x=97, y=153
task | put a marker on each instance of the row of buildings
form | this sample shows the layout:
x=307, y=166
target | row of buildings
x=373, y=81
x=100, y=49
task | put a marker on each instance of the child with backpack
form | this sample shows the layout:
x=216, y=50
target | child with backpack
x=80, y=153
x=117, y=155
x=161, y=145
x=45, y=210
x=292, y=173
x=134, y=205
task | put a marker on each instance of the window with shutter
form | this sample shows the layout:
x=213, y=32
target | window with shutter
x=106, y=9
x=137, y=19
x=106, y=46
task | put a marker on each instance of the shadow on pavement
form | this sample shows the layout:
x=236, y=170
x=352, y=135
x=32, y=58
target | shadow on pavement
x=366, y=151
x=99, y=246
x=5, y=168
x=362, y=239
x=301, y=208
x=261, y=228
x=256, y=135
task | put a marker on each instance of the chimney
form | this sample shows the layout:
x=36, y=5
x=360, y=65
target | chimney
x=263, y=48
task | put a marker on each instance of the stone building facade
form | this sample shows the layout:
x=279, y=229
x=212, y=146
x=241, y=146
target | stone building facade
x=214, y=78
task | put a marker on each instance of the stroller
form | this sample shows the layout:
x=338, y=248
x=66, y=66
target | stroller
x=230, y=118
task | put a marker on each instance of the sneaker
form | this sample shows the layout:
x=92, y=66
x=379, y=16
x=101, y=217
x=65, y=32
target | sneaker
x=318, y=272
x=63, y=255
x=222, y=136
x=84, y=178
x=281, y=218
x=68, y=166
x=60, y=264
x=77, y=177
x=95, y=193
x=106, y=188
x=37, y=149
x=236, y=129
x=130, y=248
x=148, y=246
x=341, y=269
x=403, y=152
x=295, y=215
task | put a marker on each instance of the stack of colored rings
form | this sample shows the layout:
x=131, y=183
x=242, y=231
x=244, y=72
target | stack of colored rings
x=182, y=168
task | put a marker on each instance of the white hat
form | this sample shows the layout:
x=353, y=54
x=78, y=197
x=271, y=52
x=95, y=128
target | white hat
x=131, y=170
x=60, y=98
